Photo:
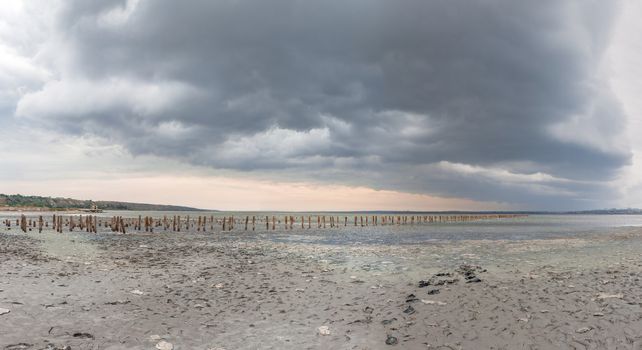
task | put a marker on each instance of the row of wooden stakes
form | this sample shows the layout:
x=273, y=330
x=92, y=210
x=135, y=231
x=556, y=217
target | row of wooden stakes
x=92, y=223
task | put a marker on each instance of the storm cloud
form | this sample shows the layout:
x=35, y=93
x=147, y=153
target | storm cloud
x=491, y=100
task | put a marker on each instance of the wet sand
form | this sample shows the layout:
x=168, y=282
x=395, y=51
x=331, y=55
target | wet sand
x=234, y=291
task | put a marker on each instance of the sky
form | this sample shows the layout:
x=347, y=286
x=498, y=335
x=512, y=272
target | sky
x=324, y=105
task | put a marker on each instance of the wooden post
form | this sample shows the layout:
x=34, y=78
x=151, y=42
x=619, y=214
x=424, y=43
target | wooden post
x=23, y=223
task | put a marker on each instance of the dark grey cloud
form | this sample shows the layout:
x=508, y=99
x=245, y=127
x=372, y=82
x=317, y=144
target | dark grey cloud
x=491, y=100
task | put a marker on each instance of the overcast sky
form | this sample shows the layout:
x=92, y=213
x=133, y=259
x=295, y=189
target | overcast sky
x=334, y=104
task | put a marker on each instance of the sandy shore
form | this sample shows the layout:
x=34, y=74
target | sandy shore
x=232, y=291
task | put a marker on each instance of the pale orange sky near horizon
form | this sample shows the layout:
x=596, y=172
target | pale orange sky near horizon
x=223, y=193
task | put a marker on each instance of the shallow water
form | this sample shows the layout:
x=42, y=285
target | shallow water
x=511, y=229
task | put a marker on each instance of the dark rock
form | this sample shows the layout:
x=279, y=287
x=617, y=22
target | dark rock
x=368, y=310
x=409, y=310
x=433, y=291
x=474, y=279
x=387, y=322
x=423, y=283
x=444, y=274
x=442, y=282
x=391, y=340
x=83, y=335
x=411, y=298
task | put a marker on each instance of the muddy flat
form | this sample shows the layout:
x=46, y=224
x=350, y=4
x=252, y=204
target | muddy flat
x=245, y=291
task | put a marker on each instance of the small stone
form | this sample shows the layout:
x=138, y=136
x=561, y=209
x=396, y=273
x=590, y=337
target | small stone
x=409, y=310
x=387, y=322
x=411, y=298
x=433, y=291
x=391, y=340
x=424, y=284
x=163, y=345
x=598, y=314
x=603, y=296
x=4, y=311
x=583, y=330
x=218, y=285
x=83, y=335
x=323, y=330
x=137, y=292
x=155, y=337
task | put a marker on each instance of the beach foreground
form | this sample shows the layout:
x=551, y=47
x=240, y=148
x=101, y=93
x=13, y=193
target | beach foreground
x=236, y=291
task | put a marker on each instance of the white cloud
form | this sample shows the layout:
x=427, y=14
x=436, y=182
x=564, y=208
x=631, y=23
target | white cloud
x=499, y=174
x=275, y=144
x=625, y=59
x=118, y=15
x=78, y=98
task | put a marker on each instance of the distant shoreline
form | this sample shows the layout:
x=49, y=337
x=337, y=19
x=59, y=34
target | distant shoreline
x=365, y=212
x=43, y=209
x=18, y=202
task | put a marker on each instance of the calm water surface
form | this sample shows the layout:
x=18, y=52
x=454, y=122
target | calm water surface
x=521, y=228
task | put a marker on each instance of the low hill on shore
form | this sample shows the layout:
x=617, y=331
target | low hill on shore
x=20, y=201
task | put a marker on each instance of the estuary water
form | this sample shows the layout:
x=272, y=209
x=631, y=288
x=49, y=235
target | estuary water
x=519, y=228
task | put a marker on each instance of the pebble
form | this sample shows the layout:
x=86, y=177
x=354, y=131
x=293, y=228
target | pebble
x=582, y=330
x=391, y=340
x=4, y=311
x=387, y=322
x=323, y=330
x=163, y=345
x=603, y=296
x=409, y=310
x=137, y=292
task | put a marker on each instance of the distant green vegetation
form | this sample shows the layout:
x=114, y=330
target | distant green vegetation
x=18, y=200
